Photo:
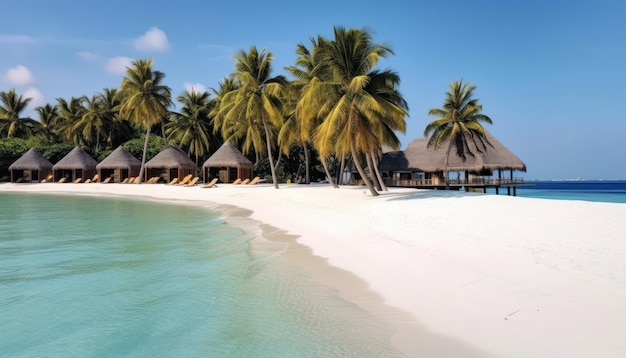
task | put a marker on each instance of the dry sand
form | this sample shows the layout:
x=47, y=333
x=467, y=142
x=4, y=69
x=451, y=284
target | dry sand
x=456, y=274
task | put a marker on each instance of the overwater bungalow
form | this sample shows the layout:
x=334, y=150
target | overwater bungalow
x=170, y=163
x=119, y=165
x=227, y=164
x=422, y=167
x=77, y=164
x=31, y=167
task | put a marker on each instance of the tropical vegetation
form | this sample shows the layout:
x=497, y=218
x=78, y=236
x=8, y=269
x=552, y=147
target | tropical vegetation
x=336, y=112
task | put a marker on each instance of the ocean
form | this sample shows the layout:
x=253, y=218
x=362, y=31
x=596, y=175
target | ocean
x=84, y=276
x=609, y=191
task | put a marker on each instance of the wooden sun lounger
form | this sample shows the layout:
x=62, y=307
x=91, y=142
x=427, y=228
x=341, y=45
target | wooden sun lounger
x=211, y=184
x=193, y=181
x=186, y=179
x=173, y=181
x=254, y=181
x=78, y=180
x=62, y=180
x=107, y=180
x=237, y=181
x=245, y=181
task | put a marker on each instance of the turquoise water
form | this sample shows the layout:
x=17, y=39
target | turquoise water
x=609, y=191
x=101, y=277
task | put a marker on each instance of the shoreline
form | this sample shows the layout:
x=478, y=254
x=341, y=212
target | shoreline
x=454, y=274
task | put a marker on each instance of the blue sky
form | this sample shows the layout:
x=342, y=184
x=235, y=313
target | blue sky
x=550, y=74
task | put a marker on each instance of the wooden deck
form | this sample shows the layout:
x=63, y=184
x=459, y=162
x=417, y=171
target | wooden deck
x=475, y=184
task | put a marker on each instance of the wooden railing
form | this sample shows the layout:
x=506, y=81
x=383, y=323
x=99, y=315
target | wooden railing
x=454, y=182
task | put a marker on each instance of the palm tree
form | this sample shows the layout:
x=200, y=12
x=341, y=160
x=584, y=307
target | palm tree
x=118, y=129
x=298, y=127
x=48, y=118
x=144, y=99
x=11, y=123
x=253, y=112
x=92, y=123
x=355, y=115
x=191, y=128
x=69, y=114
x=458, y=123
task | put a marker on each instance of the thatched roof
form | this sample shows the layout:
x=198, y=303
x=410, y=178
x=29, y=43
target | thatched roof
x=119, y=158
x=171, y=157
x=228, y=156
x=76, y=159
x=417, y=157
x=31, y=160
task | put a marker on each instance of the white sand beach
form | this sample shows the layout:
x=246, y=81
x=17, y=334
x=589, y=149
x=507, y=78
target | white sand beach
x=460, y=275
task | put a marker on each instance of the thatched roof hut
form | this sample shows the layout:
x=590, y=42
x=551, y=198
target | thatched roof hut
x=77, y=164
x=119, y=165
x=227, y=164
x=30, y=167
x=170, y=163
x=418, y=158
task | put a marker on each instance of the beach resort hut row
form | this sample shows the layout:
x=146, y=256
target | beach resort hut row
x=227, y=164
x=424, y=167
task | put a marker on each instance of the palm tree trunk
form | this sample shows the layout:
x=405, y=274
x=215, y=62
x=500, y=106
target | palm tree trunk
x=269, y=153
x=362, y=172
x=342, y=169
x=307, y=178
x=378, y=176
x=163, y=132
x=370, y=169
x=445, y=172
x=330, y=178
x=143, y=157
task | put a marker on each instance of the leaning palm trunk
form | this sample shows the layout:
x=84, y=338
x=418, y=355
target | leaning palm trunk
x=370, y=169
x=307, y=179
x=362, y=172
x=378, y=176
x=328, y=176
x=143, y=157
x=269, y=154
x=342, y=169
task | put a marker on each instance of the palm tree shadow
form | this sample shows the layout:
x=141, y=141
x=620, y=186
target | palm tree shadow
x=426, y=194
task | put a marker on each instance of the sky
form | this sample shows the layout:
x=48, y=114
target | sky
x=550, y=74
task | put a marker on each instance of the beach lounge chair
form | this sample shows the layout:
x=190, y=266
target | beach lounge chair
x=107, y=180
x=95, y=178
x=78, y=180
x=254, y=181
x=48, y=179
x=193, y=181
x=173, y=182
x=87, y=181
x=211, y=184
x=186, y=179
x=125, y=181
x=245, y=181
x=237, y=181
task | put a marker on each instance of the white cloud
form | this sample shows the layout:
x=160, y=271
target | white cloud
x=88, y=55
x=16, y=39
x=19, y=75
x=118, y=64
x=197, y=87
x=37, y=97
x=153, y=40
